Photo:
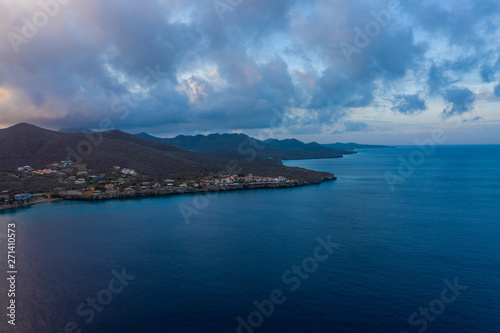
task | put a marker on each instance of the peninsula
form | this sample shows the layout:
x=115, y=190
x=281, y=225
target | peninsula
x=40, y=165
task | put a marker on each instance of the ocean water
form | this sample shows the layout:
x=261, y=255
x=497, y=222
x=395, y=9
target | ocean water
x=417, y=253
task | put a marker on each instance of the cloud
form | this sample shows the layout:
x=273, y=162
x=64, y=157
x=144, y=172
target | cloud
x=487, y=74
x=457, y=23
x=488, y=71
x=461, y=100
x=447, y=73
x=474, y=120
x=177, y=65
x=497, y=90
x=355, y=126
x=437, y=79
x=409, y=104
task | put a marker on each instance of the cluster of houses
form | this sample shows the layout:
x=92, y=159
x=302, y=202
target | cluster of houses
x=61, y=165
x=119, y=179
x=81, y=177
x=51, y=168
x=235, y=179
x=41, y=172
x=44, y=172
x=18, y=197
x=128, y=171
x=113, y=187
x=25, y=168
x=171, y=184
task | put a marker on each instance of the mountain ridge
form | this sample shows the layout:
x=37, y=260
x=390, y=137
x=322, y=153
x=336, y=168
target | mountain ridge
x=25, y=144
x=234, y=145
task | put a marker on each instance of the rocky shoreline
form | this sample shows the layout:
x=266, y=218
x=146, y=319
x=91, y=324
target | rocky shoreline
x=25, y=204
x=142, y=193
x=76, y=195
x=14, y=206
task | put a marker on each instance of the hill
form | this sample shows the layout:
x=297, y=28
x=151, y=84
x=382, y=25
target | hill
x=243, y=146
x=25, y=144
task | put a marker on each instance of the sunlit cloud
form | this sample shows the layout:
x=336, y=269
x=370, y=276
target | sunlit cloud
x=230, y=73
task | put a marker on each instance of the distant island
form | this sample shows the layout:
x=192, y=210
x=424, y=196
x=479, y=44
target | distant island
x=352, y=145
x=40, y=165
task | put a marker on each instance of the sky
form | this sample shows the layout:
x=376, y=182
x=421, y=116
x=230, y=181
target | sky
x=370, y=71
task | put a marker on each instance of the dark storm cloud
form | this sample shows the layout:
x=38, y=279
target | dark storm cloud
x=106, y=49
x=441, y=81
x=186, y=64
x=457, y=21
x=409, y=104
x=437, y=79
x=489, y=71
x=461, y=100
x=487, y=74
x=497, y=90
x=447, y=73
x=346, y=85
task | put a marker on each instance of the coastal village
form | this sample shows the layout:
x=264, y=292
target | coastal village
x=76, y=182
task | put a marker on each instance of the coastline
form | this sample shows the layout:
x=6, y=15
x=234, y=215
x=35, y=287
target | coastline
x=78, y=196
x=28, y=204
x=143, y=193
x=81, y=195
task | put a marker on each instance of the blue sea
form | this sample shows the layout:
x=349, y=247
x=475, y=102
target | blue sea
x=403, y=241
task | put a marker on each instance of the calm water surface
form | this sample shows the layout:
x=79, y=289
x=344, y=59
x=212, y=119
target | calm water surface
x=396, y=249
